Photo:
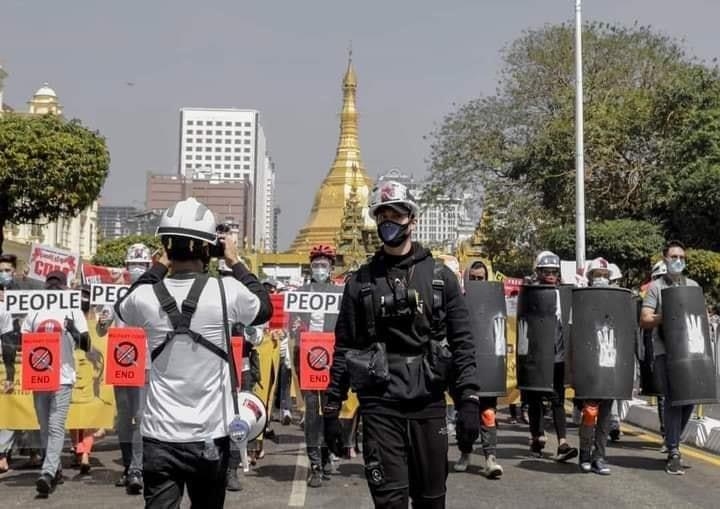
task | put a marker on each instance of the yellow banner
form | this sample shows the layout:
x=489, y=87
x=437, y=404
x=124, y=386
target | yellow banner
x=92, y=405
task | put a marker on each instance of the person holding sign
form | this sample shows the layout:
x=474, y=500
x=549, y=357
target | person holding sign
x=52, y=406
x=322, y=261
x=395, y=313
x=191, y=407
x=129, y=400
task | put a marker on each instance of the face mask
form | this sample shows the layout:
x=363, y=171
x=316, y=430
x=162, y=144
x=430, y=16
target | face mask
x=600, y=281
x=135, y=273
x=675, y=266
x=320, y=274
x=393, y=234
x=6, y=278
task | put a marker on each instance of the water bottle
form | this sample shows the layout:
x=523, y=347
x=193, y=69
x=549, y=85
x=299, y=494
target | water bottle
x=238, y=429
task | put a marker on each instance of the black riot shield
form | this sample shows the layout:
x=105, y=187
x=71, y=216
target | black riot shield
x=537, y=325
x=603, y=347
x=488, y=316
x=686, y=332
x=565, y=315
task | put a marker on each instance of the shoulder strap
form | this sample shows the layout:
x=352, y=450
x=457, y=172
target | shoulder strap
x=228, y=343
x=366, y=296
x=438, y=293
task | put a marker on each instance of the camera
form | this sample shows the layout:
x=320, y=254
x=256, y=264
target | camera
x=401, y=302
x=218, y=250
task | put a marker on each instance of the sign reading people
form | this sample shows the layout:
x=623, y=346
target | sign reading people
x=23, y=302
x=313, y=302
x=107, y=295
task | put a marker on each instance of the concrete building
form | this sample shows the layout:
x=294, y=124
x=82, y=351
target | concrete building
x=115, y=222
x=231, y=201
x=77, y=234
x=228, y=144
x=443, y=223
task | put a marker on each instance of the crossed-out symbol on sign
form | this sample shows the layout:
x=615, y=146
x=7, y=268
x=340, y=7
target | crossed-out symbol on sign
x=41, y=359
x=318, y=358
x=126, y=354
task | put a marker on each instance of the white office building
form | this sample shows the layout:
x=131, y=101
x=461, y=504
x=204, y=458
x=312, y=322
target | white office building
x=229, y=144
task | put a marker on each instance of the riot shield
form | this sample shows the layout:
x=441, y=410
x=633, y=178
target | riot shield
x=565, y=317
x=488, y=318
x=537, y=325
x=685, y=329
x=603, y=348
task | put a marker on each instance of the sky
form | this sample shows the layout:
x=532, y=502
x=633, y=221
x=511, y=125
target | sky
x=126, y=68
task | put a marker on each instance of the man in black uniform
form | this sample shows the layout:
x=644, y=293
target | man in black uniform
x=396, y=311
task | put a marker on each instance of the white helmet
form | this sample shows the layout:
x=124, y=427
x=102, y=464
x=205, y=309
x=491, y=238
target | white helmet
x=138, y=253
x=598, y=264
x=659, y=269
x=547, y=259
x=390, y=193
x=615, y=272
x=188, y=218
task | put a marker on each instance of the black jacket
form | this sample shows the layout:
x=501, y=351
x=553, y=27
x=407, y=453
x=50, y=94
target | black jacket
x=406, y=392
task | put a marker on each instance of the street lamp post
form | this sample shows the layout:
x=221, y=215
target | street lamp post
x=579, y=144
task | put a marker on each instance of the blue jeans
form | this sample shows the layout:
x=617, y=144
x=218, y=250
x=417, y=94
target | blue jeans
x=675, y=418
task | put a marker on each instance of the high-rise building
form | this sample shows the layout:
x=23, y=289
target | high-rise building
x=444, y=221
x=227, y=144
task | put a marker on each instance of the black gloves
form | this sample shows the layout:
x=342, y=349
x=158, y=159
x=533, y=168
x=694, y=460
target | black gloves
x=467, y=427
x=82, y=340
x=333, y=431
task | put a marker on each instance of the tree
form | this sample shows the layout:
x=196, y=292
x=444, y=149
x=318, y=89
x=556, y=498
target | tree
x=652, y=118
x=630, y=244
x=49, y=167
x=112, y=253
x=704, y=267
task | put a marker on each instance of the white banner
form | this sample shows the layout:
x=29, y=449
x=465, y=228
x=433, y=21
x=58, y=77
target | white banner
x=105, y=295
x=46, y=259
x=22, y=302
x=311, y=302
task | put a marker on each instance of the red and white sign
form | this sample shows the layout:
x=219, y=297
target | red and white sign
x=46, y=259
x=126, y=354
x=97, y=274
x=41, y=361
x=512, y=286
x=316, y=356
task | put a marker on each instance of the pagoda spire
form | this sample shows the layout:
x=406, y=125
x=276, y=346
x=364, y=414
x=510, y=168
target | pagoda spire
x=347, y=171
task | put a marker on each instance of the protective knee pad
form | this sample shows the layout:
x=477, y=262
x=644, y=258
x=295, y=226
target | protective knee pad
x=488, y=418
x=589, y=414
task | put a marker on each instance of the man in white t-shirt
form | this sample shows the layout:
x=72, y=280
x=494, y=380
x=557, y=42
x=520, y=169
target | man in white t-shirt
x=52, y=407
x=189, y=402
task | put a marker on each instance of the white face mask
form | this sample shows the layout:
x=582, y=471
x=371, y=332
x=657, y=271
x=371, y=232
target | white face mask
x=320, y=274
x=600, y=281
x=135, y=272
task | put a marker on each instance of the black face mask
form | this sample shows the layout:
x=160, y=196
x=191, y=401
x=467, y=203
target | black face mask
x=393, y=234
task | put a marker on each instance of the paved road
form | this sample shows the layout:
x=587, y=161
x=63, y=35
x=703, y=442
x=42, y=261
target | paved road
x=638, y=480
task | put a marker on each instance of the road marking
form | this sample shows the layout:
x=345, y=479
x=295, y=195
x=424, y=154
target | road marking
x=686, y=450
x=299, y=484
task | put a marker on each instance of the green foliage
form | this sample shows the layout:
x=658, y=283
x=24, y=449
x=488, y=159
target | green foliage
x=652, y=139
x=628, y=243
x=112, y=252
x=704, y=267
x=49, y=167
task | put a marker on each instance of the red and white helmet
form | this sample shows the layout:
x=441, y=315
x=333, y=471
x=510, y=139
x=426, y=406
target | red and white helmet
x=138, y=253
x=598, y=264
x=615, y=272
x=390, y=193
x=323, y=250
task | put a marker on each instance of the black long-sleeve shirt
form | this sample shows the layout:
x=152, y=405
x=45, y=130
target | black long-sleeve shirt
x=407, y=394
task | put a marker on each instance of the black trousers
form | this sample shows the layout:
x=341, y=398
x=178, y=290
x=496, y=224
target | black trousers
x=169, y=467
x=557, y=402
x=405, y=459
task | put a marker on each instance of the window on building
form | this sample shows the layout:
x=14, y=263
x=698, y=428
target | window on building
x=188, y=156
x=227, y=167
x=188, y=166
x=246, y=158
x=228, y=133
x=228, y=149
x=236, y=158
x=238, y=133
x=218, y=158
x=248, y=133
x=237, y=141
x=218, y=123
x=218, y=149
x=208, y=140
x=246, y=141
x=188, y=140
x=246, y=166
x=190, y=122
x=198, y=157
x=218, y=166
x=247, y=124
x=189, y=148
x=218, y=133
x=236, y=166
x=199, y=122
x=189, y=131
x=226, y=174
x=227, y=158
x=208, y=158
x=228, y=124
x=238, y=124
x=247, y=149
x=228, y=141
x=236, y=175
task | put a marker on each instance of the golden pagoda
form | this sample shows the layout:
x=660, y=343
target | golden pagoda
x=355, y=242
x=324, y=223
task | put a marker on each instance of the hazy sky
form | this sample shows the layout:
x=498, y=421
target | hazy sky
x=414, y=59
